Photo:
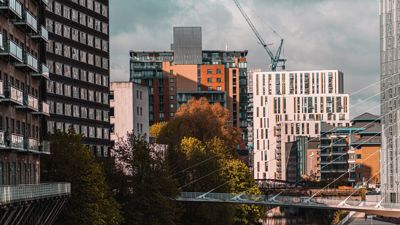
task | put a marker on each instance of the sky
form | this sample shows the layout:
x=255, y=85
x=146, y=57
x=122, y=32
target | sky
x=318, y=34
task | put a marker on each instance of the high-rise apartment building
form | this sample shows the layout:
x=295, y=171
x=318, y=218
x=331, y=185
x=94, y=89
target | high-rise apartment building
x=23, y=108
x=289, y=104
x=78, y=61
x=129, y=110
x=187, y=71
x=352, y=153
x=390, y=40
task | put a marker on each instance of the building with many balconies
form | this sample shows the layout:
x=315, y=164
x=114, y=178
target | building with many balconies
x=23, y=111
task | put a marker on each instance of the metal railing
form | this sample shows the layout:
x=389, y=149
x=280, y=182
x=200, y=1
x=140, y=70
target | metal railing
x=2, y=138
x=17, y=141
x=14, y=50
x=1, y=88
x=10, y=194
x=33, y=145
x=15, y=95
x=31, y=102
x=14, y=6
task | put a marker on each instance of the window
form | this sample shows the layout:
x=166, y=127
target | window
x=218, y=71
x=209, y=80
x=210, y=88
x=209, y=71
x=359, y=156
x=219, y=88
x=171, y=97
x=219, y=80
x=171, y=106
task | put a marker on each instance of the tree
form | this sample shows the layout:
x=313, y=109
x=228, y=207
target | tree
x=91, y=202
x=240, y=181
x=156, y=129
x=203, y=121
x=150, y=193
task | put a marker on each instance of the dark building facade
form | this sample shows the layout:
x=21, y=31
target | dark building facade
x=78, y=62
x=23, y=112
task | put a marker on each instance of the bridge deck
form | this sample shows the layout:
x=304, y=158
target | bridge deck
x=373, y=208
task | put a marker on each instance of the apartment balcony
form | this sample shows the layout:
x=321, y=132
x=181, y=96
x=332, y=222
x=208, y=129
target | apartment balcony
x=13, y=95
x=42, y=72
x=17, y=142
x=24, y=193
x=43, y=34
x=1, y=89
x=31, y=145
x=11, y=50
x=2, y=139
x=28, y=21
x=12, y=8
x=44, y=147
x=30, y=103
x=44, y=109
x=29, y=62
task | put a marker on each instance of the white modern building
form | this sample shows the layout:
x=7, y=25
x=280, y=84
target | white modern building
x=288, y=104
x=129, y=109
x=389, y=11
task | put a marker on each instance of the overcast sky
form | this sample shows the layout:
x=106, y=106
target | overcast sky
x=319, y=34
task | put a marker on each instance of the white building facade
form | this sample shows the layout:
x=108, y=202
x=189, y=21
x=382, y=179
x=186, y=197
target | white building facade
x=288, y=104
x=389, y=12
x=129, y=109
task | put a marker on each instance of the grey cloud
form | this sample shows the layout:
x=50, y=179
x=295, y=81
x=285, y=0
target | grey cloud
x=319, y=34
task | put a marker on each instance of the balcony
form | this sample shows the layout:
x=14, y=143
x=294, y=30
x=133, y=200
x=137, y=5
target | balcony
x=13, y=8
x=2, y=139
x=43, y=72
x=43, y=34
x=32, y=145
x=13, y=95
x=20, y=193
x=17, y=142
x=28, y=21
x=44, y=147
x=30, y=103
x=29, y=62
x=44, y=109
x=1, y=89
x=12, y=50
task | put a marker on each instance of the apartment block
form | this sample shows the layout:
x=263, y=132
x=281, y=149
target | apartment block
x=288, y=104
x=352, y=153
x=187, y=71
x=23, y=110
x=78, y=61
x=129, y=110
x=389, y=63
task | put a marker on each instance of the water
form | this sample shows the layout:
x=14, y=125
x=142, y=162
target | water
x=294, y=216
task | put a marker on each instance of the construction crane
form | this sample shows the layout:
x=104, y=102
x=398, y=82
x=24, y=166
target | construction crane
x=276, y=59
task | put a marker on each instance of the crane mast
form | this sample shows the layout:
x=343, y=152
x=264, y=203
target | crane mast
x=275, y=59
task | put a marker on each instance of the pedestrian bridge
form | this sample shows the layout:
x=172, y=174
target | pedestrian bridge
x=372, y=208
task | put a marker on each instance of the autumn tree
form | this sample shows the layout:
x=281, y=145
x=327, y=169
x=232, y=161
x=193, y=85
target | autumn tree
x=201, y=120
x=148, y=200
x=91, y=202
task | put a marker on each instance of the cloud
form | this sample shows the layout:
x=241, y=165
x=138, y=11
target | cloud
x=319, y=34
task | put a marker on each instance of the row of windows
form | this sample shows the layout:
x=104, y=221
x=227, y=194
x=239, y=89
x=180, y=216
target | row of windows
x=86, y=131
x=13, y=173
x=78, y=111
x=210, y=80
x=77, y=92
x=72, y=14
x=78, y=55
x=19, y=127
x=78, y=74
x=76, y=35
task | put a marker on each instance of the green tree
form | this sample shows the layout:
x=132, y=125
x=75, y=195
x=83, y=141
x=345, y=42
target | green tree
x=240, y=181
x=91, y=202
x=148, y=200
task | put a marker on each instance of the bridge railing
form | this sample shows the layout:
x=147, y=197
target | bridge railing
x=16, y=193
